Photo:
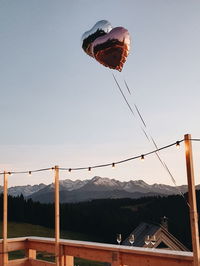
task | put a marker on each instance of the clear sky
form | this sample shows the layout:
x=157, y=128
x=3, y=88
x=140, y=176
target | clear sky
x=60, y=106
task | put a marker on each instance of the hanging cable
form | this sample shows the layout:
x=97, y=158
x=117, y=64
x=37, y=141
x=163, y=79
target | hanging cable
x=89, y=168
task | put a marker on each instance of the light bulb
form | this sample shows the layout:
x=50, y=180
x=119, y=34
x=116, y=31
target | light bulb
x=142, y=157
x=178, y=144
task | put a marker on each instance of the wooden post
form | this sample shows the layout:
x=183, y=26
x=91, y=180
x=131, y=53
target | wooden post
x=116, y=261
x=69, y=261
x=31, y=253
x=5, y=219
x=57, y=217
x=192, y=200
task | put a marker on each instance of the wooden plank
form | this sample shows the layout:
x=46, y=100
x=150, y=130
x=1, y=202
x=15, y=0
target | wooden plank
x=116, y=259
x=41, y=246
x=5, y=219
x=116, y=263
x=1, y=253
x=95, y=252
x=1, y=259
x=68, y=261
x=89, y=254
x=192, y=200
x=116, y=255
x=31, y=253
x=17, y=245
x=19, y=262
x=33, y=262
x=114, y=248
x=139, y=260
x=57, y=216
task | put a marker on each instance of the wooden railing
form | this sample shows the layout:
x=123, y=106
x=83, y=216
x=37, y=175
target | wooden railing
x=65, y=250
x=113, y=254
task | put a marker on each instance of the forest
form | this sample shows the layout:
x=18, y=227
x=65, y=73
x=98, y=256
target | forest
x=103, y=219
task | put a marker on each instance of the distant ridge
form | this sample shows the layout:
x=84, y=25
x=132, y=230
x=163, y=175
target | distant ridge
x=24, y=190
x=95, y=188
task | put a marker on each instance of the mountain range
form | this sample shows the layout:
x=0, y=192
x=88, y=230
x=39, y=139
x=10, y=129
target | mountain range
x=95, y=188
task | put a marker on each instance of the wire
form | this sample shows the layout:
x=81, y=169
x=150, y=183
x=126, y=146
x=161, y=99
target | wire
x=101, y=165
x=28, y=172
x=95, y=166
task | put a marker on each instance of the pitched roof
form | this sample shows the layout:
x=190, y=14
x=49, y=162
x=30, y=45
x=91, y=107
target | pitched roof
x=162, y=236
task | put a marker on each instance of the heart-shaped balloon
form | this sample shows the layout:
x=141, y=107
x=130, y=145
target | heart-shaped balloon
x=101, y=28
x=112, y=49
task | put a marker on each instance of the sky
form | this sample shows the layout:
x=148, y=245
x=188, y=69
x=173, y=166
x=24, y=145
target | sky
x=58, y=106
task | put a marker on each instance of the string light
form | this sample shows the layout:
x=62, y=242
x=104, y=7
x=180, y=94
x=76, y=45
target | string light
x=177, y=144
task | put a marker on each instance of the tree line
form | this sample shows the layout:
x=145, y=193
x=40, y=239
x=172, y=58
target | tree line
x=104, y=218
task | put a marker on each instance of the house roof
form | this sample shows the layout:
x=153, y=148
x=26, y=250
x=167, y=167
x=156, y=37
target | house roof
x=162, y=236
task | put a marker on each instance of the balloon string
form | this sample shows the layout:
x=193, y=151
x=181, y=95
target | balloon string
x=130, y=108
x=140, y=115
x=147, y=134
x=158, y=153
x=159, y=156
x=127, y=87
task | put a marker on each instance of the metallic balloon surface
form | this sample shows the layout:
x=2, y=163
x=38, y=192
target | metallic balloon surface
x=101, y=28
x=112, y=49
x=109, y=46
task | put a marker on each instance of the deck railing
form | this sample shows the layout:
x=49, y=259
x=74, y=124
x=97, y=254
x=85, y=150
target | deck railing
x=114, y=254
x=66, y=250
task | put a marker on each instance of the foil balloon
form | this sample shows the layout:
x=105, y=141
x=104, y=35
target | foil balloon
x=101, y=28
x=112, y=49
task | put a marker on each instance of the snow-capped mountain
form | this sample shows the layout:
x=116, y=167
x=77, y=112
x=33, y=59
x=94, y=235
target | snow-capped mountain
x=95, y=188
x=72, y=185
x=24, y=190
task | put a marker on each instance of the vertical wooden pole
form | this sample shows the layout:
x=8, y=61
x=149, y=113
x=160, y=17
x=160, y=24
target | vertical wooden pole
x=192, y=200
x=57, y=217
x=5, y=219
x=116, y=261
x=31, y=253
x=68, y=261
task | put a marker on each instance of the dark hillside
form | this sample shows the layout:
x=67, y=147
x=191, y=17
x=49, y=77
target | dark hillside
x=103, y=219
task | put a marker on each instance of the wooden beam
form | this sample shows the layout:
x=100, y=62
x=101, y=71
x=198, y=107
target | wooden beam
x=19, y=262
x=192, y=200
x=116, y=260
x=113, y=254
x=90, y=254
x=17, y=245
x=5, y=219
x=31, y=253
x=41, y=246
x=33, y=262
x=57, y=217
x=68, y=261
x=138, y=260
